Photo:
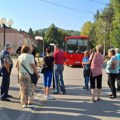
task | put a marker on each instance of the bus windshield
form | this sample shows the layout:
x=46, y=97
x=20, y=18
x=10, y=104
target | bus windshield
x=76, y=45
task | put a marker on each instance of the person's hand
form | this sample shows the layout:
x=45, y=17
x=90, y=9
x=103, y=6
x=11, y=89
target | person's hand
x=38, y=76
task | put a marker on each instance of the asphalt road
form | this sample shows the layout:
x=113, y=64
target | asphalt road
x=75, y=105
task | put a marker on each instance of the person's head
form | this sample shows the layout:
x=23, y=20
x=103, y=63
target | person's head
x=111, y=52
x=32, y=47
x=48, y=50
x=99, y=48
x=86, y=53
x=57, y=47
x=25, y=49
x=117, y=50
x=8, y=47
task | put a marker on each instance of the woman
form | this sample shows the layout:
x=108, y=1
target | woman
x=48, y=65
x=86, y=69
x=26, y=86
x=112, y=71
x=96, y=61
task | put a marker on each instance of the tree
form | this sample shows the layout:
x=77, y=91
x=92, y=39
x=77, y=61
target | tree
x=115, y=33
x=86, y=28
x=36, y=33
x=30, y=32
x=55, y=35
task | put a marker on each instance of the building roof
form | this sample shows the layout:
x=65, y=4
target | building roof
x=12, y=30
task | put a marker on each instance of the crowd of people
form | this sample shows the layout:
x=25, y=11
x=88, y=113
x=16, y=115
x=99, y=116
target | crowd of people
x=92, y=71
x=53, y=68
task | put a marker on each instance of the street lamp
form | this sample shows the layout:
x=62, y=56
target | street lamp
x=4, y=23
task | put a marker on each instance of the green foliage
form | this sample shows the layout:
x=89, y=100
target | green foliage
x=104, y=30
x=54, y=35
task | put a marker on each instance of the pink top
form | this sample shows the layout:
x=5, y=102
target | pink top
x=96, y=64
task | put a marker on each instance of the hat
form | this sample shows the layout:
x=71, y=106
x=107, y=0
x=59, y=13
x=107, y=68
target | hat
x=8, y=46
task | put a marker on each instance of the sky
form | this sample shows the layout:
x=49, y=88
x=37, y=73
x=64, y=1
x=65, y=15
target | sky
x=37, y=14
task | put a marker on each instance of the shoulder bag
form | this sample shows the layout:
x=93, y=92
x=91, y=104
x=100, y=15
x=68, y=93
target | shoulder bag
x=33, y=77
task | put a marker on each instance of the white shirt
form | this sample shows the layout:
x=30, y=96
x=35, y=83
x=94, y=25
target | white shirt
x=26, y=59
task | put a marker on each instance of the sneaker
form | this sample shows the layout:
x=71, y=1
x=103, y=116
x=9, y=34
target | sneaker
x=50, y=97
x=24, y=106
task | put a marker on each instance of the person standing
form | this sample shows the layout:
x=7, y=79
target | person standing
x=48, y=71
x=7, y=66
x=112, y=71
x=117, y=51
x=86, y=69
x=26, y=85
x=58, y=70
x=33, y=52
x=96, y=61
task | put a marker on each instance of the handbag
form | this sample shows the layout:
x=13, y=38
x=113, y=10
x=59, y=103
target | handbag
x=33, y=77
x=43, y=70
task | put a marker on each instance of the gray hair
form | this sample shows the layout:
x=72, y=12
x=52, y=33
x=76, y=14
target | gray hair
x=117, y=50
x=7, y=46
x=99, y=48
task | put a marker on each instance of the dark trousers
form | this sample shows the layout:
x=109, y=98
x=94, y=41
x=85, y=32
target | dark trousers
x=111, y=83
x=5, y=83
x=118, y=81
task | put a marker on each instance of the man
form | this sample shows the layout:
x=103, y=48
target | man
x=7, y=66
x=58, y=69
x=118, y=78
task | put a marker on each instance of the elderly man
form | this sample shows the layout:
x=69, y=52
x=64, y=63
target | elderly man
x=118, y=78
x=58, y=70
x=7, y=65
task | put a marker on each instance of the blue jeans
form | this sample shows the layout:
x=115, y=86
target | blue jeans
x=58, y=76
x=5, y=83
x=87, y=78
x=47, y=78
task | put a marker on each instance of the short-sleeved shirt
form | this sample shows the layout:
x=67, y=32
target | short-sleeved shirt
x=109, y=63
x=5, y=58
x=48, y=62
x=26, y=60
x=59, y=57
x=96, y=64
x=118, y=56
x=86, y=66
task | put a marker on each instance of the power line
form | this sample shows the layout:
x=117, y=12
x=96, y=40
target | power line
x=66, y=7
x=98, y=2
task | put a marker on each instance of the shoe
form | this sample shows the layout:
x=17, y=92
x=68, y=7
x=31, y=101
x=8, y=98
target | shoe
x=24, y=106
x=84, y=87
x=45, y=97
x=112, y=97
x=50, y=98
x=55, y=92
x=98, y=99
x=93, y=100
x=6, y=99
x=9, y=96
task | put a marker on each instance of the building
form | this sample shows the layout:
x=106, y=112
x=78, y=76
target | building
x=15, y=38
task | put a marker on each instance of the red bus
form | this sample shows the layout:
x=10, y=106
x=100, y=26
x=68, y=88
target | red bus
x=74, y=49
